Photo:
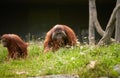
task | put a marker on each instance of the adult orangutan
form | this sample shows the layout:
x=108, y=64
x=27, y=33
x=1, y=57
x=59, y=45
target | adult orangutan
x=16, y=47
x=59, y=36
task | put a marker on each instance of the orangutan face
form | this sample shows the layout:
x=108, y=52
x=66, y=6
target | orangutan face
x=58, y=34
x=4, y=42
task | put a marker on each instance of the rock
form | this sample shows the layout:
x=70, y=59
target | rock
x=103, y=77
x=57, y=76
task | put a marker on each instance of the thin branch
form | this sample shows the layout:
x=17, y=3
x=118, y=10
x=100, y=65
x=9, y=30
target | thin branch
x=110, y=26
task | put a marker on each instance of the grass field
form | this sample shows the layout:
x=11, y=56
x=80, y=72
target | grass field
x=86, y=61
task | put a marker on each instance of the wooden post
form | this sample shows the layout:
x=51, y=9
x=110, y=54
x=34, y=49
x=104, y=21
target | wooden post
x=91, y=22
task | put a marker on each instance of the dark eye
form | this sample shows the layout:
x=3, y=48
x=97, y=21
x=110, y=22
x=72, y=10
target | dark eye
x=3, y=40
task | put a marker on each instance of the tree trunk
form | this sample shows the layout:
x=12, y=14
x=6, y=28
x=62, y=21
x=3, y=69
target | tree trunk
x=110, y=27
x=117, y=29
x=98, y=27
x=96, y=22
x=91, y=22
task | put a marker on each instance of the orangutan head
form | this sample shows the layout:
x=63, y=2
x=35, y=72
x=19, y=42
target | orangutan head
x=58, y=34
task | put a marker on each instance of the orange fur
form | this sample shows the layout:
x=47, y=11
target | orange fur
x=50, y=44
x=17, y=48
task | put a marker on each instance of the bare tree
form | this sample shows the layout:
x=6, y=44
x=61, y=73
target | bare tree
x=110, y=27
x=117, y=28
x=93, y=22
x=106, y=35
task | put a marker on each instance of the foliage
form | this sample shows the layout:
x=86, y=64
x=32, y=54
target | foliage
x=75, y=60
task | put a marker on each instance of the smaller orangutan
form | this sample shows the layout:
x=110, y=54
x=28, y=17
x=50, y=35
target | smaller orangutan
x=59, y=36
x=16, y=47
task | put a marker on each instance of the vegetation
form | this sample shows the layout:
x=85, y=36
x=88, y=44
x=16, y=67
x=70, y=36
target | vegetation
x=86, y=61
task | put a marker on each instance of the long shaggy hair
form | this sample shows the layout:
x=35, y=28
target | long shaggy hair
x=59, y=36
x=17, y=48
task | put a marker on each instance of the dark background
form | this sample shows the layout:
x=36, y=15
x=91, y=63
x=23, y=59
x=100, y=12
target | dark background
x=38, y=16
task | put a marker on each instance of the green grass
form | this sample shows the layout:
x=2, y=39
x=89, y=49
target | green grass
x=64, y=61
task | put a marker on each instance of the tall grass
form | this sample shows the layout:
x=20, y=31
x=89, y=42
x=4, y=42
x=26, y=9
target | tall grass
x=64, y=61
